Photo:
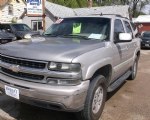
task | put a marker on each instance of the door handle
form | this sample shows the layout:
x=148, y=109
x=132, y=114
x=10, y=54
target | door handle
x=124, y=49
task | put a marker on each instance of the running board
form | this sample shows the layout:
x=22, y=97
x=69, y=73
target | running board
x=119, y=81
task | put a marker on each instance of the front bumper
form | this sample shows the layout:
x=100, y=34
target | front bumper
x=145, y=45
x=3, y=41
x=64, y=98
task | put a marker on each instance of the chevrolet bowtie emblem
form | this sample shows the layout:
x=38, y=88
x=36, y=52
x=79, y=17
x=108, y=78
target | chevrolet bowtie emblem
x=15, y=68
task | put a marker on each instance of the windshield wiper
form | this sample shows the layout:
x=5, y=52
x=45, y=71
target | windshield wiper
x=51, y=35
x=76, y=36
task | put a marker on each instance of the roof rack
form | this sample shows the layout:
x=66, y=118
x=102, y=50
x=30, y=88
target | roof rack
x=117, y=15
x=101, y=14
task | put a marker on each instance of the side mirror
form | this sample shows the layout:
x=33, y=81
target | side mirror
x=125, y=37
x=138, y=35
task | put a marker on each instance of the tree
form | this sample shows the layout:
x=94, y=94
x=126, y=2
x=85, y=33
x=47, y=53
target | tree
x=90, y=3
x=135, y=5
x=71, y=3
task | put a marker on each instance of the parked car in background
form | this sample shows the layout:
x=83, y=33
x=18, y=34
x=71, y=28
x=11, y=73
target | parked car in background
x=18, y=29
x=6, y=37
x=145, y=42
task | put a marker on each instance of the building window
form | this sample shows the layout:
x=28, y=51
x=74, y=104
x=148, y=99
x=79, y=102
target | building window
x=37, y=25
x=17, y=1
x=10, y=9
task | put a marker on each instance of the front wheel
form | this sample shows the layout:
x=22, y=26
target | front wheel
x=95, y=100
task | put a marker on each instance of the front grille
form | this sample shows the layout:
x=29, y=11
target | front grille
x=24, y=63
x=2, y=41
x=22, y=75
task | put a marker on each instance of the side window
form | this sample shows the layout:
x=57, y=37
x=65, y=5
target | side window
x=4, y=27
x=133, y=25
x=128, y=27
x=7, y=27
x=118, y=28
x=1, y=27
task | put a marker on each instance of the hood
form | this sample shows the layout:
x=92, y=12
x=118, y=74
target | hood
x=6, y=35
x=22, y=33
x=50, y=49
x=146, y=38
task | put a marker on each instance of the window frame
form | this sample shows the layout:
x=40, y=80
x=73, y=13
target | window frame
x=124, y=21
x=37, y=23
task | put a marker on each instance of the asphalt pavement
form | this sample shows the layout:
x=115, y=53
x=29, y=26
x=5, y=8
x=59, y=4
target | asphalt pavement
x=131, y=101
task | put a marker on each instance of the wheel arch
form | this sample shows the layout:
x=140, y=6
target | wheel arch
x=138, y=54
x=105, y=71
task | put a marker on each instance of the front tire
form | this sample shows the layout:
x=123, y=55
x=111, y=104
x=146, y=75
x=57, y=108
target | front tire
x=95, y=100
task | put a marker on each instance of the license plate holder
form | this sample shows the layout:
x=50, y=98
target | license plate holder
x=147, y=45
x=12, y=92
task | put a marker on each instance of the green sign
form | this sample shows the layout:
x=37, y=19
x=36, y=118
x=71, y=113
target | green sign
x=76, y=28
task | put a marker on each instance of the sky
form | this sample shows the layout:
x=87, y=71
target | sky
x=146, y=9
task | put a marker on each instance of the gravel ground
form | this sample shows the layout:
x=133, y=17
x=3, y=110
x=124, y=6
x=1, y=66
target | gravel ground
x=131, y=101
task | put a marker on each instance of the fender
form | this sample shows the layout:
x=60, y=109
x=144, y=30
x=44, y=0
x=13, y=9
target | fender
x=95, y=66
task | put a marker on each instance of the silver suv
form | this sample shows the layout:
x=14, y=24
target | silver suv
x=73, y=65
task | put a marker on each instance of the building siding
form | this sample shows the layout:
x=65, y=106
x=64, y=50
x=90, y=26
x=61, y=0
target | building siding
x=18, y=9
x=3, y=2
x=143, y=27
x=28, y=20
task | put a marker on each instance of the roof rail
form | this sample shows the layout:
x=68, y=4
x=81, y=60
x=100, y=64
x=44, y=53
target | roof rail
x=106, y=14
x=117, y=15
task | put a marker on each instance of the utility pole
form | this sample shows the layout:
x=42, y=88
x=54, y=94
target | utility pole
x=44, y=15
x=90, y=3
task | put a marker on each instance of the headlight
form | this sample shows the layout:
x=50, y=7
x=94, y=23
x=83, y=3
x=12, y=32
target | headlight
x=27, y=36
x=64, y=67
x=14, y=38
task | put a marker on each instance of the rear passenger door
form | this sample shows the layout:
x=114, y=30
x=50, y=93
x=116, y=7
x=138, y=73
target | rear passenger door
x=131, y=45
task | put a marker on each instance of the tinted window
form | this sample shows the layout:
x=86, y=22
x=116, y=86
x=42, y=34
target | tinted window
x=146, y=34
x=118, y=28
x=96, y=28
x=21, y=27
x=128, y=27
x=4, y=26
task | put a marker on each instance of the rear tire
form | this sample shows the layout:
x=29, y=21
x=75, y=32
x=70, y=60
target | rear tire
x=134, y=70
x=95, y=100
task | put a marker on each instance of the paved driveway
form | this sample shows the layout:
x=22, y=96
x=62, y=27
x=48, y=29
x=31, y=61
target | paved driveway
x=129, y=102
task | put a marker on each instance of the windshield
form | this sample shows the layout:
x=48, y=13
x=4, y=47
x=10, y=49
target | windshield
x=146, y=34
x=21, y=27
x=90, y=28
